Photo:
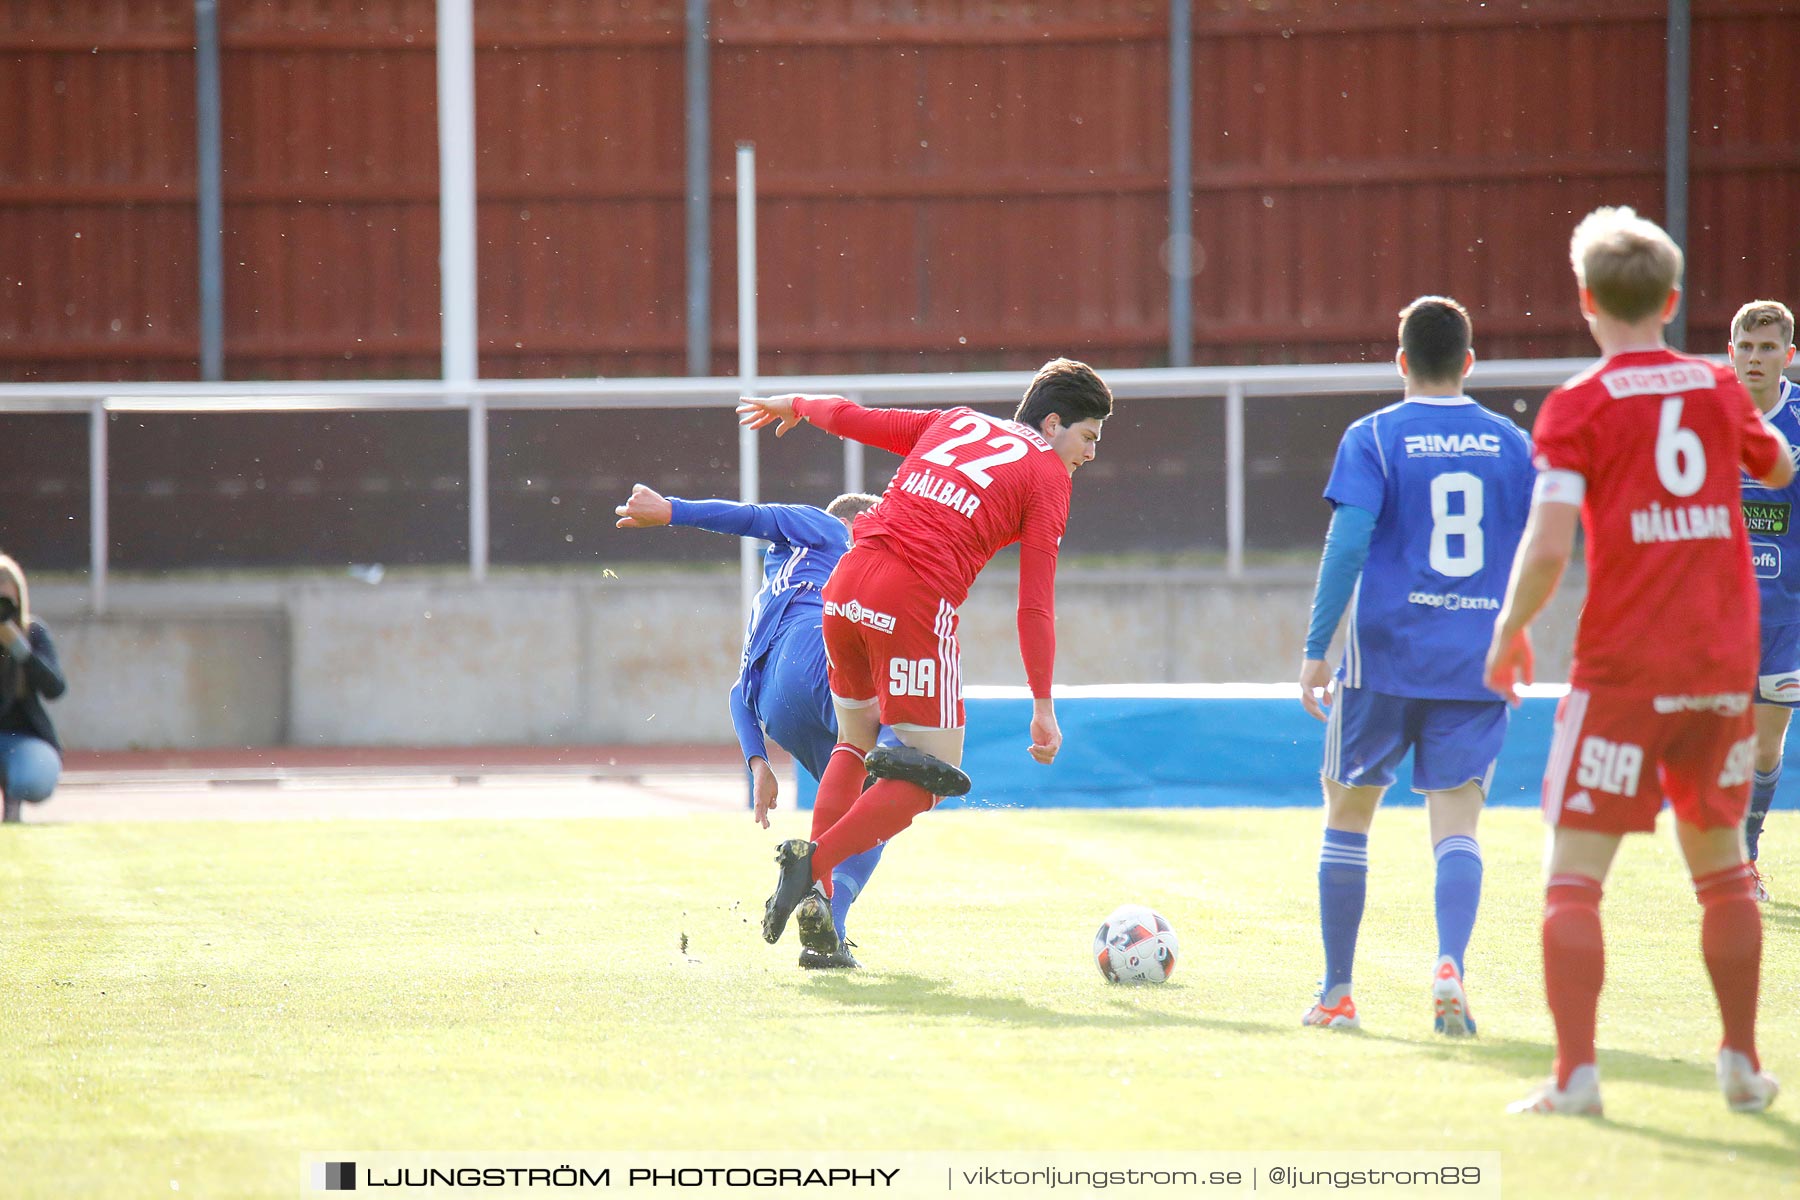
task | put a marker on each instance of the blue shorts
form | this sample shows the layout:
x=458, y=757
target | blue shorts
x=1778, y=671
x=793, y=702
x=1453, y=742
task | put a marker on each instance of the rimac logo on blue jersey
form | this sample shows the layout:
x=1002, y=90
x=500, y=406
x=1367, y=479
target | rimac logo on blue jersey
x=1439, y=445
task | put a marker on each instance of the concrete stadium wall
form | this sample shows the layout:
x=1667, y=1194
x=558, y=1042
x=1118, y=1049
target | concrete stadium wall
x=562, y=659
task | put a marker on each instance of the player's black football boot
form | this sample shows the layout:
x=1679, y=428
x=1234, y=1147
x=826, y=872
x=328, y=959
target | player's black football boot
x=794, y=857
x=915, y=766
x=843, y=960
x=818, y=932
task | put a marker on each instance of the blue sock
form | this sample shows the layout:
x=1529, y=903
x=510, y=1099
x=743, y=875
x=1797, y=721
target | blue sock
x=1458, y=894
x=1762, y=795
x=1343, y=885
x=847, y=881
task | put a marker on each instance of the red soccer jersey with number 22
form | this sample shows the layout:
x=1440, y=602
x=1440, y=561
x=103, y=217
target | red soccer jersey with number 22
x=971, y=485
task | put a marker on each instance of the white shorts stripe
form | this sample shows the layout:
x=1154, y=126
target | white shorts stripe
x=1334, y=739
x=1562, y=753
x=947, y=664
x=956, y=670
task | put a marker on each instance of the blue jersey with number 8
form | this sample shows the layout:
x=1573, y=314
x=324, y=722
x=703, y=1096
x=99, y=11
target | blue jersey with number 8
x=1450, y=485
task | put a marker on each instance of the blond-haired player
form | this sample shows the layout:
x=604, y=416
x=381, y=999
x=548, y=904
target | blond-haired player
x=1644, y=449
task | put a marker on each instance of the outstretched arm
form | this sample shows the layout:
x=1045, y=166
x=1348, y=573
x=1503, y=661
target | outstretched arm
x=892, y=429
x=794, y=524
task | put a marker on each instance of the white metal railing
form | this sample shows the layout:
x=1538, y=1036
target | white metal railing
x=1235, y=385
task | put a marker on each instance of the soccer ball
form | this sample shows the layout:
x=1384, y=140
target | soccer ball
x=1136, y=945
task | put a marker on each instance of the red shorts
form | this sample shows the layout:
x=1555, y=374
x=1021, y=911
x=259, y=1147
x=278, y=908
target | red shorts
x=1616, y=756
x=891, y=642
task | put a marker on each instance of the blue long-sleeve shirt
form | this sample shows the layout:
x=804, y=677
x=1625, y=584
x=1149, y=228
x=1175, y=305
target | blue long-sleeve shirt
x=805, y=543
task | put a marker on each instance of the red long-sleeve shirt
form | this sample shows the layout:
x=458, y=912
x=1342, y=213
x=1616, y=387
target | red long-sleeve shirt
x=971, y=485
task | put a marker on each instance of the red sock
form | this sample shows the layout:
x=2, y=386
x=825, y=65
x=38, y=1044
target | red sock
x=1731, y=936
x=1574, y=968
x=839, y=788
x=878, y=814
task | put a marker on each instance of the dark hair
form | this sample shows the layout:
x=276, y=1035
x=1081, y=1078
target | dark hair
x=1067, y=388
x=1435, y=334
x=850, y=505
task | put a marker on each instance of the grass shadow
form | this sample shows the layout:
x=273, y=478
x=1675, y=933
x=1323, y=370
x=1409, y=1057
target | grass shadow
x=919, y=996
x=1781, y=914
x=1531, y=1060
x=1713, y=1148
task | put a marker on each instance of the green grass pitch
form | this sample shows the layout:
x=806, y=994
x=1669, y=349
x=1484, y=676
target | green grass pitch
x=197, y=1005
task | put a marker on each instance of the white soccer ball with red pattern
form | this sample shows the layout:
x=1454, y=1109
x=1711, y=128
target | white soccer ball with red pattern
x=1136, y=945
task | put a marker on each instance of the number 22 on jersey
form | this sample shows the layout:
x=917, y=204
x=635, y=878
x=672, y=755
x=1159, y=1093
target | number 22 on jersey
x=974, y=427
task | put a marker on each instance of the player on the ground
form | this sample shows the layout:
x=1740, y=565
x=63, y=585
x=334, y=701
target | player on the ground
x=781, y=687
x=1644, y=450
x=1429, y=500
x=970, y=485
x=1762, y=344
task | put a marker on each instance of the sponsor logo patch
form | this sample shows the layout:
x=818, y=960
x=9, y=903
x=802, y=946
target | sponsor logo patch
x=1612, y=767
x=1783, y=687
x=1451, y=602
x=1740, y=764
x=856, y=614
x=1658, y=380
x=912, y=677
x=1438, y=445
x=1726, y=704
x=1770, y=517
x=1766, y=560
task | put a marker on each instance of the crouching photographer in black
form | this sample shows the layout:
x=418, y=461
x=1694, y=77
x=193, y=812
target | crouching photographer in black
x=30, y=756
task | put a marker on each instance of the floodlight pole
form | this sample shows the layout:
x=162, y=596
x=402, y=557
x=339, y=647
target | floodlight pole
x=456, y=250
x=1181, y=184
x=208, y=156
x=699, y=192
x=749, y=466
x=98, y=470
x=1675, y=139
x=1234, y=479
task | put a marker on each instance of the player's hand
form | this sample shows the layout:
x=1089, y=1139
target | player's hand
x=1510, y=662
x=645, y=510
x=756, y=412
x=767, y=788
x=1046, y=734
x=1315, y=687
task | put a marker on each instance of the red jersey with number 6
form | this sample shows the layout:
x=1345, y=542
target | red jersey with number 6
x=1658, y=438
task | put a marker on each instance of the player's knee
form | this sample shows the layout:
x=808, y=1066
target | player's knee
x=1351, y=809
x=1768, y=756
x=944, y=744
